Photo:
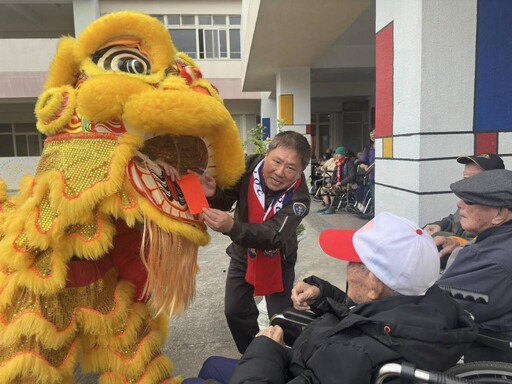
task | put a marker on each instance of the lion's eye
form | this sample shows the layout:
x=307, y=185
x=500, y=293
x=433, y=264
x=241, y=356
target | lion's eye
x=122, y=59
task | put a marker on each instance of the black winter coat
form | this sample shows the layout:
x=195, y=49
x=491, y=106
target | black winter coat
x=348, y=346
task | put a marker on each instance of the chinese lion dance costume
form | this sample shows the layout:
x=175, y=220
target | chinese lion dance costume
x=99, y=248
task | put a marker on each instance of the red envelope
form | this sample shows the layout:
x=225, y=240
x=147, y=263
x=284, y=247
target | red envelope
x=193, y=192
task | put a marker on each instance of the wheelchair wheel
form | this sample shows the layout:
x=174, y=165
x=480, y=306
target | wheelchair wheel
x=483, y=372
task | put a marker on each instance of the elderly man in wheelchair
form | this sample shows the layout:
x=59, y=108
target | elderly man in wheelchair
x=392, y=312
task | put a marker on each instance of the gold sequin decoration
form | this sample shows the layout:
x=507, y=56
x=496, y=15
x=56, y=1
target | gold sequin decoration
x=43, y=262
x=127, y=201
x=87, y=232
x=28, y=344
x=129, y=352
x=21, y=243
x=59, y=308
x=8, y=206
x=46, y=215
x=83, y=161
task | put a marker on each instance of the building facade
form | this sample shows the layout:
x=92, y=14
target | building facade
x=432, y=76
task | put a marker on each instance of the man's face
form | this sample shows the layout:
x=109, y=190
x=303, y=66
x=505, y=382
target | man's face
x=475, y=218
x=471, y=169
x=282, y=168
x=358, y=283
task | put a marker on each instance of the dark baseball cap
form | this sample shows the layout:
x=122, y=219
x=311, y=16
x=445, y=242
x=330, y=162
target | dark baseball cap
x=486, y=161
x=492, y=188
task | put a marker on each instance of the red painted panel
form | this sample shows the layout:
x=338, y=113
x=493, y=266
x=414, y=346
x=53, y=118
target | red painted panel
x=384, y=82
x=486, y=142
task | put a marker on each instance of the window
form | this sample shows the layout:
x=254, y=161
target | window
x=205, y=36
x=20, y=139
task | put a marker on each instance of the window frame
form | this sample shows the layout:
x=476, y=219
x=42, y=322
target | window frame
x=201, y=32
x=16, y=135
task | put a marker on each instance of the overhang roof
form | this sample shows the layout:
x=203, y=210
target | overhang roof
x=292, y=33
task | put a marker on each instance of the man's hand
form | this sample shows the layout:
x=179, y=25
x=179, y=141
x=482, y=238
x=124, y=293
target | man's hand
x=274, y=332
x=218, y=220
x=304, y=294
x=208, y=183
x=447, y=245
x=432, y=228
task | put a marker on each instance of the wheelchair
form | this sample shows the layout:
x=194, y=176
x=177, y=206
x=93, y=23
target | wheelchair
x=479, y=372
x=346, y=197
x=322, y=180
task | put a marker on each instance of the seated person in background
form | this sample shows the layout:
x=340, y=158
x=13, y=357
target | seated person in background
x=326, y=170
x=327, y=154
x=343, y=174
x=399, y=314
x=368, y=165
x=484, y=267
x=360, y=185
x=447, y=232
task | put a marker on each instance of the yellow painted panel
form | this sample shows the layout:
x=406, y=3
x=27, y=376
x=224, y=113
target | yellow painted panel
x=286, y=109
x=387, y=147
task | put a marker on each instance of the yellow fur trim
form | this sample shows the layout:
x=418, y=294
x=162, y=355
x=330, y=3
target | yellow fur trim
x=170, y=225
x=64, y=67
x=157, y=371
x=54, y=109
x=116, y=90
x=151, y=32
x=3, y=191
x=187, y=59
x=38, y=370
x=130, y=364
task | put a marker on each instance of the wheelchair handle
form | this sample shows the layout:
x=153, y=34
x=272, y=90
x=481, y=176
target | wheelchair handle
x=407, y=371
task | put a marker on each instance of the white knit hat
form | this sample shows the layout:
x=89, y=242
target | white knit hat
x=403, y=256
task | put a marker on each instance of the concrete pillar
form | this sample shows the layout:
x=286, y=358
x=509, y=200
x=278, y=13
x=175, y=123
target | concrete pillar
x=269, y=112
x=293, y=95
x=84, y=13
x=428, y=87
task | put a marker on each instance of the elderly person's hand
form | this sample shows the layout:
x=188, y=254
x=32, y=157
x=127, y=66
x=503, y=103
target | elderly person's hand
x=304, y=294
x=432, y=228
x=447, y=245
x=274, y=332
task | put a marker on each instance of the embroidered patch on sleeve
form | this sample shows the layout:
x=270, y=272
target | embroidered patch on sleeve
x=299, y=209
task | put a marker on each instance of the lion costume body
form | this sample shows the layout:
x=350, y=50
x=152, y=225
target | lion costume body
x=99, y=247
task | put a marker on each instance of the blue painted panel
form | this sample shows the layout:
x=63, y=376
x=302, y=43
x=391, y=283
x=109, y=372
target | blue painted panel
x=266, y=123
x=493, y=83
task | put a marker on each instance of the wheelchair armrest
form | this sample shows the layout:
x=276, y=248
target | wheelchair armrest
x=408, y=373
x=496, y=341
x=294, y=316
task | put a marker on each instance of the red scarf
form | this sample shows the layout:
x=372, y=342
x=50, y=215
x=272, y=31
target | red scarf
x=264, y=266
x=339, y=168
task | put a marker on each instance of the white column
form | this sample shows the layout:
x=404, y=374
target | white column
x=293, y=95
x=84, y=13
x=269, y=111
x=432, y=106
